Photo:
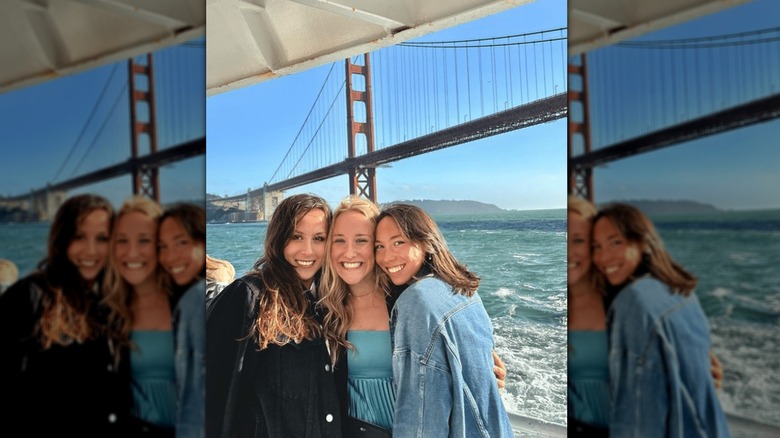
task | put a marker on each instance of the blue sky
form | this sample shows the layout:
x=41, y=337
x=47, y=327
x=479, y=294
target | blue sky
x=71, y=126
x=736, y=170
x=250, y=130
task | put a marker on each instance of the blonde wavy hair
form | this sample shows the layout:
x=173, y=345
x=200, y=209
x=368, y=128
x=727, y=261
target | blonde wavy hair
x=587, y=210
x=334, y=291
x=118, y=292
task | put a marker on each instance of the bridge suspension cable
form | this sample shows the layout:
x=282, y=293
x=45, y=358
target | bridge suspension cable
x=759, y=36
x=677, y=81
x=88, y=122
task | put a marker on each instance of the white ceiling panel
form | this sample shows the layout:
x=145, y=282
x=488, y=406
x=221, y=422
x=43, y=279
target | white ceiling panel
x=598, y=23
x=249, y=41
x=47, y=39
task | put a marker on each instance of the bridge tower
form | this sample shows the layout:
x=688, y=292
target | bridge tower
x=362, y=179
x=581, y=178
x=146, y=181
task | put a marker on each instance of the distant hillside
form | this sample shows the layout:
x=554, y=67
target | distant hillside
x=452, y=207
x=668, y=207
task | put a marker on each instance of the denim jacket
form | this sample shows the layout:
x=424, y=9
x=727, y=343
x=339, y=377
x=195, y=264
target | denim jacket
x=659, y=365
x=189, y=321
x=442, y=365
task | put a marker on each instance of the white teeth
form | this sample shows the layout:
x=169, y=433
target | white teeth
x=134, y=265
x=304, y=263
x=352, y=265
x=395, y=269
x=177, y=269
x=611, y=269
x=87, y=263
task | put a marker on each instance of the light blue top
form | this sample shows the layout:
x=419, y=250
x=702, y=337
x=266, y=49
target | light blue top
x=370, y=381
x=659, y=365
x=153, y=376
x=443, y=365
x=588, y=370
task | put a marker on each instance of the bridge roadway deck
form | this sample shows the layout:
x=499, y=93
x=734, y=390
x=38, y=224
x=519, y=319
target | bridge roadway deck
x=533, y=113
x=757, y=111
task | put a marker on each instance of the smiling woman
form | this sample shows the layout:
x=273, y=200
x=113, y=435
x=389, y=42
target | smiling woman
x=55, y=339
x=442, y=335
x=659, y=339
x=140, y=301
x=182, y=250
x=269, y=373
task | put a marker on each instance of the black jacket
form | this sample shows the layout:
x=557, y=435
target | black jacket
x=287, y=391
x=73, y=390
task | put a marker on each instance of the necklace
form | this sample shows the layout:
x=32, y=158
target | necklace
x=361, y=296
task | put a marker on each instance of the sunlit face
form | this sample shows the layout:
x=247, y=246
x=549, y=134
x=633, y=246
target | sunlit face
x=613, y=255
x=395, y=253
x=352, y=248
x=306, y=248
x=135, y=248
x=88, y=250
x=180, y=255
x=578, y=248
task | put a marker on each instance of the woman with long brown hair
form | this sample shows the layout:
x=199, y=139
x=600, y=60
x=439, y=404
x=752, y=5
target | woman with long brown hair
x=182, y=251
x=659, y=362
x=61, y=361
x=269, y=371
x=442, y=335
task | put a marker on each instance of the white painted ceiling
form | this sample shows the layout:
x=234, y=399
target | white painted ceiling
x=47, y=39
x=598, y=23
x=250, y=41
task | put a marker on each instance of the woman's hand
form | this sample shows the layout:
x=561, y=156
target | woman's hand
x=499, y=369
x=716, y=369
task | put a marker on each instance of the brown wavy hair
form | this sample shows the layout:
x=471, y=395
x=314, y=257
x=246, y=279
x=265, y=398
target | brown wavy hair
x=283, y=308
x=637, y=228
x=417, y=226
x=67, y=313
x=334, y=290
x=119, y=293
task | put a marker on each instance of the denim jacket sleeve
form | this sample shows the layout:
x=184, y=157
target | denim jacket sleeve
x=442, y=365
x=637, y=373
x=190, y=328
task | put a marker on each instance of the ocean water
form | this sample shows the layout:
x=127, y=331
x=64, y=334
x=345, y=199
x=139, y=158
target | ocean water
x=24, y=244
x=520, y=257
